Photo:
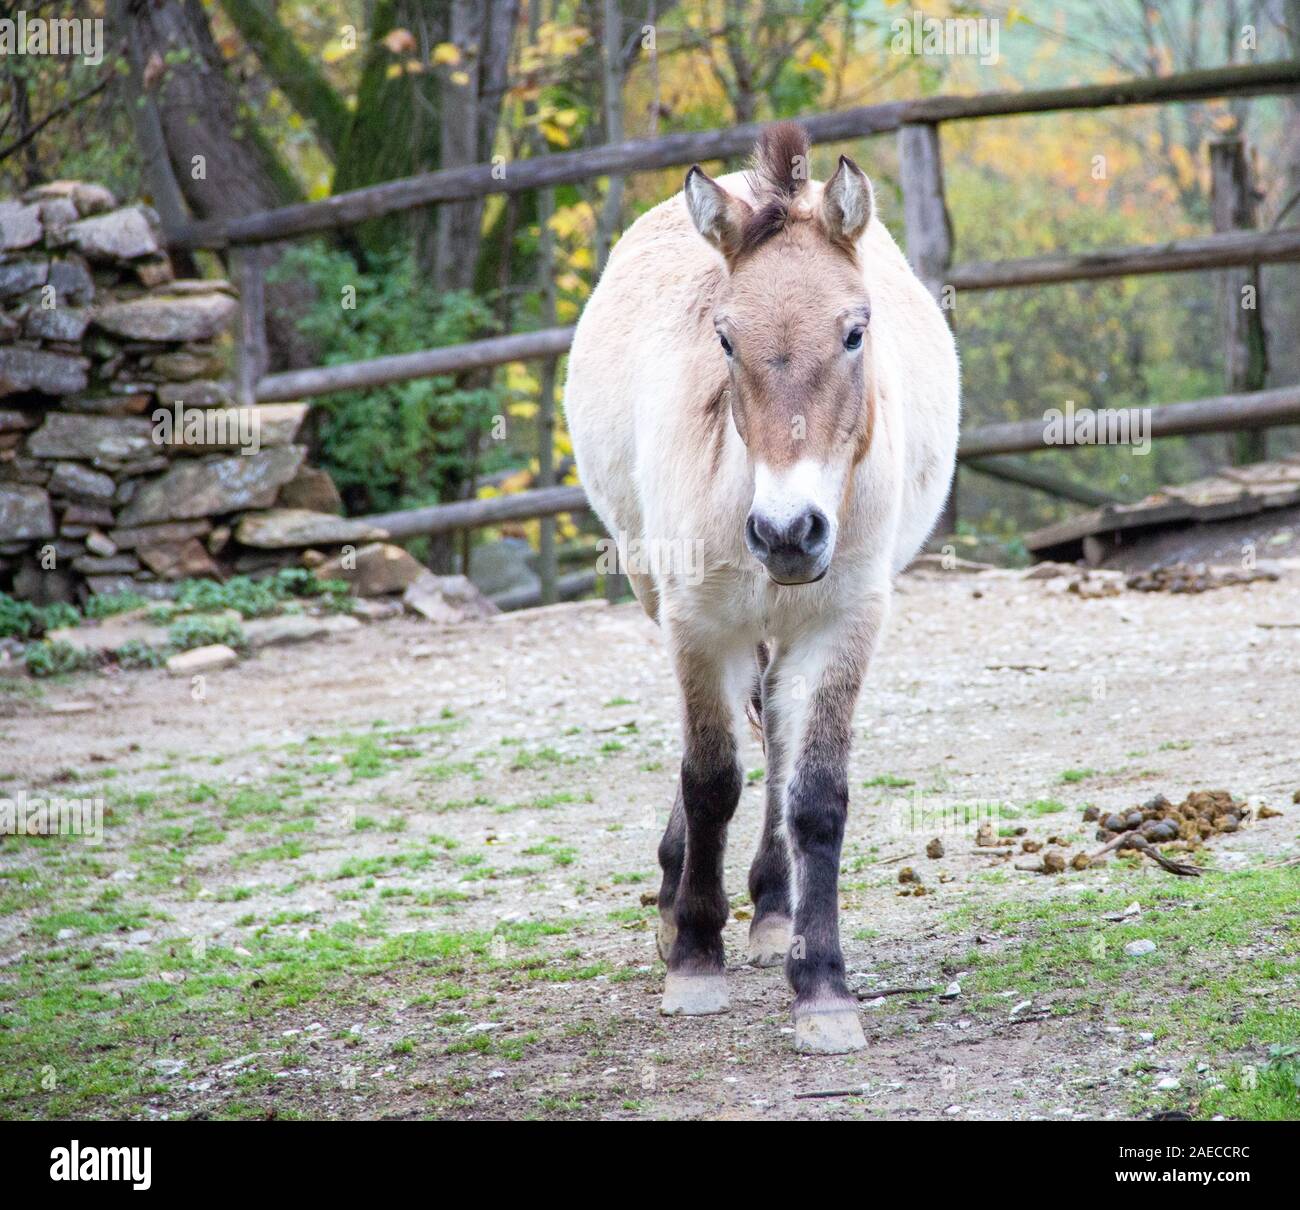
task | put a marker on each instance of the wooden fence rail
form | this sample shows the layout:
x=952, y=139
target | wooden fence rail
x=1203, y=252
x=677, y=150
x=1259, y=409
x=1217, y=414
x=1177, y=256
x=402, y=367
x=474, y=514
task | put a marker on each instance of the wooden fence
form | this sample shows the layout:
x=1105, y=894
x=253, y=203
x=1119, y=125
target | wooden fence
x=928, y=238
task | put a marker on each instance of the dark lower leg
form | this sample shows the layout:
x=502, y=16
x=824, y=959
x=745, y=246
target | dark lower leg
x=710, y=790
x=672, y=856
x=817, y=812
x=769, y=876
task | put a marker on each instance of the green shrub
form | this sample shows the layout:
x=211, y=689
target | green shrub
x=202, y=630
x=23, y=620
x=138, y=654
x=48, y=658
x=410, y=442
x=108, y=604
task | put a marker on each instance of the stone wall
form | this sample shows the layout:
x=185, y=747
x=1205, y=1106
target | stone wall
x=122, y=463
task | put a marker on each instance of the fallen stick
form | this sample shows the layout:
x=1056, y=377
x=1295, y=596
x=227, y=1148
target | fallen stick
x=1043, y=1015
x=830, y=1092
x=1133, y=839
x=891, y=991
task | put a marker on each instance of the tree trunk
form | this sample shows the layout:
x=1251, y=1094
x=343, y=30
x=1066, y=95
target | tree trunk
x=472, y=91
x=293, y=73
x=224, y=168
x=1283, y=281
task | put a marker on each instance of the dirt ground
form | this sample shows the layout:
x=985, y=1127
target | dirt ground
x=399, y=873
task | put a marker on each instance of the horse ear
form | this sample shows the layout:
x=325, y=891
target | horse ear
x=719, y=216
x=847, y=203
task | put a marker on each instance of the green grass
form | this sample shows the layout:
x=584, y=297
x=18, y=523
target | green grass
x=1045, y=806
x=1195, y=991
x=1070, y=776
x=81, y=1028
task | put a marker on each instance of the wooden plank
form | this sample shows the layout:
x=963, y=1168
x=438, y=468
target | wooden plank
x=1219, y=414
x=1232, y=205
x=688, y=147
x=927, y=228
x=402, y=367
x=252, y=355
x=1177, y=256
x=1012, y=471
x=472, y=514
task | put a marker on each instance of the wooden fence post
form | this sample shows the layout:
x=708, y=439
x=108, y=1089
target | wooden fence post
x=616, y=585
x=1232, y=200
x=927, y=230
x=546, y=563
x=252, y=359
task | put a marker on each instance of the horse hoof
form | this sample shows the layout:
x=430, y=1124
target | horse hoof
x=694, y=995
x=769, y=938
x=832, y=1030
x=665, y=937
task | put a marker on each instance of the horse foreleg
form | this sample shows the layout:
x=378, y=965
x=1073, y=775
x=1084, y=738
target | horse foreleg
x=697, y=832
x=818, y=679
x=769, y=876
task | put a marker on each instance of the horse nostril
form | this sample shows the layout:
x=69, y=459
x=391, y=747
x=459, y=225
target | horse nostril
x=816, y=532
x=758, y=536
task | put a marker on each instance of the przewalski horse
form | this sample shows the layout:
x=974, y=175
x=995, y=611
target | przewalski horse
x=760, y=379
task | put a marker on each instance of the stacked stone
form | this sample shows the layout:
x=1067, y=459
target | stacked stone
x=97, y=335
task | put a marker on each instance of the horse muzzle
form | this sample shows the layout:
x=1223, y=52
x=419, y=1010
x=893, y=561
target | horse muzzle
x=794, y=551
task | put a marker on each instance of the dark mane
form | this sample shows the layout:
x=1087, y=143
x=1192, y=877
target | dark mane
x=777, y=174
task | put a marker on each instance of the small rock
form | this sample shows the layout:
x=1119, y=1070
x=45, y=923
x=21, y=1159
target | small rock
x=23, y=370
x=99, y=544
x=447, y=599
x=1168, y=1084
x=279, y=528
x=311, y=489
x=119, y=235
x=20, y=225
x=986, y=836
x=1053, y=862
x=202, y=659
x=1135, y=949
x=168, y=317
x=375, y=570
x=295, y=628
x=934, y=849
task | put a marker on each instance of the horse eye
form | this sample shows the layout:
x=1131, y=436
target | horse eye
x=854, y=339
x=726, y=344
